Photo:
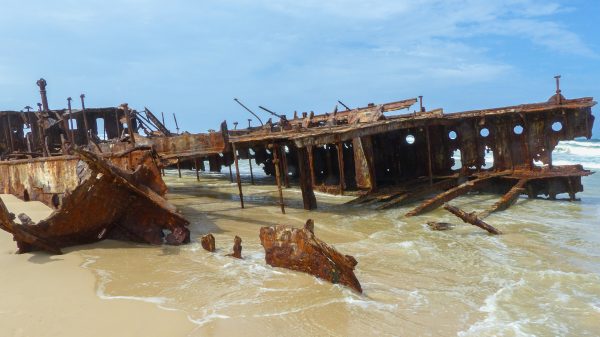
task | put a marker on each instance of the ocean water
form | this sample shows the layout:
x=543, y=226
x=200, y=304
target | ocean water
x=540, y=278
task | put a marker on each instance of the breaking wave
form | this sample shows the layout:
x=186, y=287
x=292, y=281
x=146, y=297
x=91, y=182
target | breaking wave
x=584, y=152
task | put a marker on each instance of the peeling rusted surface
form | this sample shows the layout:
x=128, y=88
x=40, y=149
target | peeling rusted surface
x=300, y=250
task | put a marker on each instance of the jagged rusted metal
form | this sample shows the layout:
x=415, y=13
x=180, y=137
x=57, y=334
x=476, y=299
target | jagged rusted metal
x=106, y=202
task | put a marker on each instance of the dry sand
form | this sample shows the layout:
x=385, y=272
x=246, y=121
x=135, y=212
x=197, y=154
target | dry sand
x=44, y=295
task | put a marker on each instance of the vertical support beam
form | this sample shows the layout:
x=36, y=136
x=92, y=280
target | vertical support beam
x=10, y=134
x=526, y=143
x=230, y=174
x=250, y=164
x=340, y=157
x=363, y=163
x=237, y=172
x=278, y=176
x=480, y=152
x=311, y=165
x=118, y=124
x=197, y=165
x=547, y=147
x=85, y=121
x=429, y=165
x=328, y=163
x=6, y=138
x=286, y=176
x=571, y=189
x=306, y=185
x=178, y=168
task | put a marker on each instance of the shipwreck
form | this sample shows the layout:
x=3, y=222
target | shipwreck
x=393, y=160
x=383, y=154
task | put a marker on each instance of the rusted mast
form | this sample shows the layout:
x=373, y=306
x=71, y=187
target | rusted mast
x=275, y=148
x=69, y=99
x=85, y=121
x=237, y=172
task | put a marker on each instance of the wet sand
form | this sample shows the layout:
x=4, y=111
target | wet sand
x=44, y=295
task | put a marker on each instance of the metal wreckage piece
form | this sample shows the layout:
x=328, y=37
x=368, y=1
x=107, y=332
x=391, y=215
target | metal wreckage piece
x=106, y=202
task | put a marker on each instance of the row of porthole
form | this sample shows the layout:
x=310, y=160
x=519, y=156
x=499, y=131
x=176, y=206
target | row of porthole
x=484, y=132
x=518, y=129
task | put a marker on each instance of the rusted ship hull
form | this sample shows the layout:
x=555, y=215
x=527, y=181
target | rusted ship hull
x=94, y=200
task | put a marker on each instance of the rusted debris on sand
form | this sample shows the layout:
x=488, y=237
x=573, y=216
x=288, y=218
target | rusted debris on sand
x=208, y=242
x=237, y=248
x=300, y=250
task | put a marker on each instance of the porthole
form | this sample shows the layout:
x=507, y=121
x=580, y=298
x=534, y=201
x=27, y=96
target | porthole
x=484, y=132
x=557, y=126
x=410, y=139
x=518, y=129
x=452, y=135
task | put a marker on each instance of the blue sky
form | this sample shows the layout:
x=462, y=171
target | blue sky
x=194, y=57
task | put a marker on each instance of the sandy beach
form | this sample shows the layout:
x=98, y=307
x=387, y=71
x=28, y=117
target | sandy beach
x=44, y=295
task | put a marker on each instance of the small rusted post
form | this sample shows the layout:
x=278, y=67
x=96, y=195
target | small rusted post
x=230, y=174
x=130, y=124
x=69, y=99
x=237, y=172
x=178, y=168
x=275, y=149
x=85, y=121
x=340, y=155
x=197, y=164
x=421, y=108
x=429, y=166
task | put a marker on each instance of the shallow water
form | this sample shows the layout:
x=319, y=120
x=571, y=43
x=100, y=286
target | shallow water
x=542, y=277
